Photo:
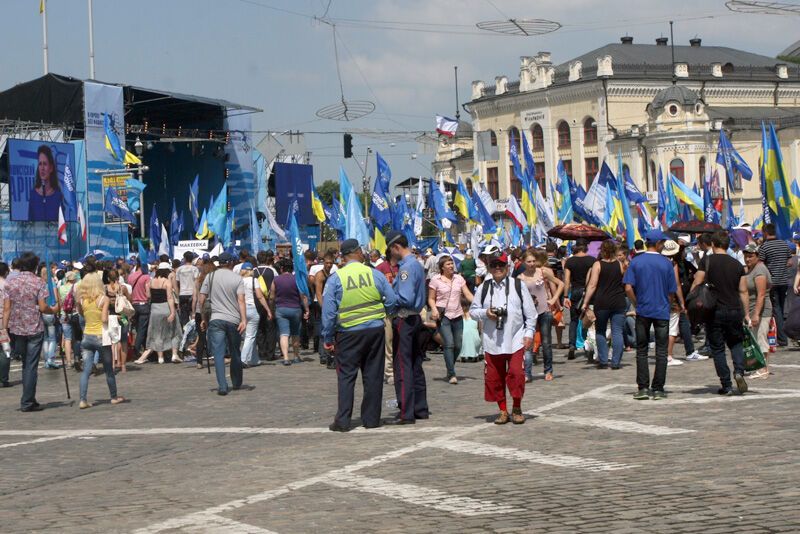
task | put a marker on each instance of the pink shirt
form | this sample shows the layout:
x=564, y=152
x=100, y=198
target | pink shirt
x=448, y=294
x=139, y=287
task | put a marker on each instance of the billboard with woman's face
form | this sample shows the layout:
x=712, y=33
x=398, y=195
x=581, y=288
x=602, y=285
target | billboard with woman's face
x=40, y=179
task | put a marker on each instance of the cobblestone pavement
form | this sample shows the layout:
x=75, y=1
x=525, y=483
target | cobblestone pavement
x=179, y=458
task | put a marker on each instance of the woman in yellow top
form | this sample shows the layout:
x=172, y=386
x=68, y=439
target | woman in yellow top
x=93, y=306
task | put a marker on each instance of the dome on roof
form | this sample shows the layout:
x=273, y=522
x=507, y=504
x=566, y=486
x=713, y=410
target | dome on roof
x=675, y=93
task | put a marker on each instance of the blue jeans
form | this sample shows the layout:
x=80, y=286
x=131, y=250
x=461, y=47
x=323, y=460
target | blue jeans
x=451, y=331
x=685, y=329
x=544, y=325
x=29, y=348
x=288, y=320
x=617, y=318
x=726, y=328
x=223, y=337
x=778, y=297
x=49, y=338
x=629, y=332
x=89, y=346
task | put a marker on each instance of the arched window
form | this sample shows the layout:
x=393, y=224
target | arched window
x=626, y=171
x=537, y=137
x=493, y=137
x=513, y=133
x=676, y=168
x=653, y=177
x=727, y=68
x=563, y=135
x=590, y=132
x=701, y=167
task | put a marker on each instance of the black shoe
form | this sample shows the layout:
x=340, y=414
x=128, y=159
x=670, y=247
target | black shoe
x=726, y=392
x=32, y=408
x=642, y=394
x=426, y=416
x=426, y=359
x=659, y=395
x=323, y=361
x=221, y=392
x=740, y=383
x=602, y=366
x=401, y=422
x=336, y=427
x=5, y=384
x=571, y=354
x=615, y=367
x=331, y=364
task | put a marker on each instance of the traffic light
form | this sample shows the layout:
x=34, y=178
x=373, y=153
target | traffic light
x=348, y=145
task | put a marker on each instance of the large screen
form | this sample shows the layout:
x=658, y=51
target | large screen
x=41, y=180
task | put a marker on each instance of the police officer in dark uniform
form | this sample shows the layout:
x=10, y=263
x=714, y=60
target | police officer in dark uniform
x=354, y=304
x=409, y=286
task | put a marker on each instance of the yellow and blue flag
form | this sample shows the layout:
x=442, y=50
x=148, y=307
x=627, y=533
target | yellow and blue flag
x=113, y=145
x=685, y=194
x=316, y=205
x=777, y=192
x=463, y=203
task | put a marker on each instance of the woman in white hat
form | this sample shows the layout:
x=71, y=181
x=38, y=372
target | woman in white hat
x=163, y=332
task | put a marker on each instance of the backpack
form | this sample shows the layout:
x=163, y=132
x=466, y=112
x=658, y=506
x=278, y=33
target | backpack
x=69, y=301
x=517, y=286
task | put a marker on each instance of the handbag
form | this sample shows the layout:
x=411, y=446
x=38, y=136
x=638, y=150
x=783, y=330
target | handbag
x=124, y=307
x=753, y=356
x=701, y=302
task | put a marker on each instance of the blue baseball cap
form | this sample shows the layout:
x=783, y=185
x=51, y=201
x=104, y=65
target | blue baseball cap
x=247, y=266
x=654, y=236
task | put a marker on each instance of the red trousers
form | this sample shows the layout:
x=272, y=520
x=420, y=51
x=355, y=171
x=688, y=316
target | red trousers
x=503, y=370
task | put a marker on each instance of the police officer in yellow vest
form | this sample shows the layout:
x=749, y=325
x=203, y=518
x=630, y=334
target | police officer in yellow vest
x=356, y=299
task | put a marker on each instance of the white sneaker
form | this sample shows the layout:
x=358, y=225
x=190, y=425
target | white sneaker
x=696, y=357
x=674, y=361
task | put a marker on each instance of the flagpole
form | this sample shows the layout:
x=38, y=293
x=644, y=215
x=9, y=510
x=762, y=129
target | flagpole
x=43, y=6
x=91, y=43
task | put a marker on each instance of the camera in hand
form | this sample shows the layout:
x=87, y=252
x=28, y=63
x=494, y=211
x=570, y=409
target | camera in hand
x=501, y=314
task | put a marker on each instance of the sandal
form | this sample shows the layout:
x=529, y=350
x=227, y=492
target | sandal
x=117, y=400
x=84, y=404
x=761, y=373
x=502, y=418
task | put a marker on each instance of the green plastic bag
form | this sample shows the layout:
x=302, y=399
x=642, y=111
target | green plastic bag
x=753, y=357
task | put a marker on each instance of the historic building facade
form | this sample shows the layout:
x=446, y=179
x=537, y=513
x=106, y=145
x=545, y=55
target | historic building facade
x=631, y=100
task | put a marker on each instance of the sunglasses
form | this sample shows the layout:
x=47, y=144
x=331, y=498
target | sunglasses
x=497, y=265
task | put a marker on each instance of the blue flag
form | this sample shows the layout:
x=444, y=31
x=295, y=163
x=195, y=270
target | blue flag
x=142, y=256
x=565, y=210
x=300, y=272
x=255, y=231
x=484, y=217
x=381, y=210
x=70, y=199
x=135, y=189
x=401, y=213
x=51, y=288
x=355, y=227
x=217, y=215
x=175, y=225
x=441, y=208
x=155, y=229
x=709, y=210
x=116, y=207
x=731, y=160
x=194, y=191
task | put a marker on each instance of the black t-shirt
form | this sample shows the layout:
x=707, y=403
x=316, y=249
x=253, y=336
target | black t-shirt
x=579, y=267
x=724, y=274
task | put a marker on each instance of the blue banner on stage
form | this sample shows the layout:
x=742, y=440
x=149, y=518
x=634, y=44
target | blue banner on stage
x=41, y=180
x=293, y=184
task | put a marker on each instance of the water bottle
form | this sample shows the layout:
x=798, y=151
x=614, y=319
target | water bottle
x=772, y=335
x=391, y=403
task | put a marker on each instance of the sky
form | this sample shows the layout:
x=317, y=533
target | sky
x=274, y=55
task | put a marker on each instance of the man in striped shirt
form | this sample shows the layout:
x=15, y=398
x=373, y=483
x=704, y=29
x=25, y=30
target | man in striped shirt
x=775, y=254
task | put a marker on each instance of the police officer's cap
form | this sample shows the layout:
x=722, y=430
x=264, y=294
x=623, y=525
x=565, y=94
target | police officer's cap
x=349, y=246
x=392, y=236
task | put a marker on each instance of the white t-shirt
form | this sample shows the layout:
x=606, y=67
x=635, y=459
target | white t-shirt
x=187, y=276
x=317, y=268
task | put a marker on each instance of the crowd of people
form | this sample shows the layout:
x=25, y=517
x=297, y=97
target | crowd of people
x=385, y=312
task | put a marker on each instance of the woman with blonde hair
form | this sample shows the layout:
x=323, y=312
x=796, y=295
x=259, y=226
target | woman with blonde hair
x=163, y=332
x=93, y=306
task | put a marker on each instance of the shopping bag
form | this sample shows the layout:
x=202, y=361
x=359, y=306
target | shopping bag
x=753, y=357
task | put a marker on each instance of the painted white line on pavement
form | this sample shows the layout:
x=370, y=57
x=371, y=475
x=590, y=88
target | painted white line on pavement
x=785, y=365
x=216, y=524
x=413, y=494
x=509, y=453
x=711, y=397
x=614, y=424
x=190, y=519
x=558, y=404
x=97, y=432
x=31, y=442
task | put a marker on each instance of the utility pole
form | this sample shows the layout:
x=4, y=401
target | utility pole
x=91, y=42
x=43, y=12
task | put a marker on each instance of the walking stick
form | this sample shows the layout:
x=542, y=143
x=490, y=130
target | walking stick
x=64, y=368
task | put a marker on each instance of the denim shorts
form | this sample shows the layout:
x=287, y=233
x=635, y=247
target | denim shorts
x=66, y=330
x=288, y=320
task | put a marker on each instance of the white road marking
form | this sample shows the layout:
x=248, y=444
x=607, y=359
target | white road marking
x=509, y=453
x=558, y=404
x=785, y=365
x=191, y=519
x=31, y=442
x=615, y=424
x=98, y=432
x=711, y=397
x=216, y=524
x=413, y=494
